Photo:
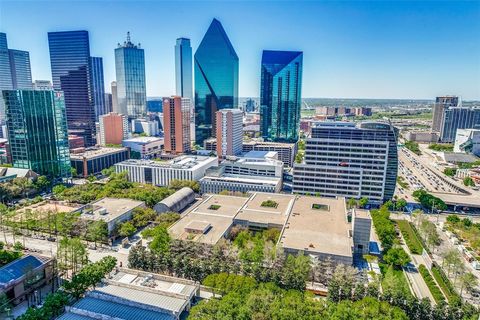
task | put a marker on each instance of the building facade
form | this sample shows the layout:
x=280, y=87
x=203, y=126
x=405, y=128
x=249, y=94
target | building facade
x=229, y=126
x=342, y=159
x=98, y=86
x=146, y=126
x=286, y=151
x=42, y=85
x=176, y=124
x=93, y=160
x=280, y=95
x=458, y=118
x=113, y=128
x=130, y=71
x=37, y=131
x=467, y=141
x=216, y=79
x=441, y=104
x=5, y=73
x=144, y=147
x=20, y=69
x=183, y=69
x=71, y=73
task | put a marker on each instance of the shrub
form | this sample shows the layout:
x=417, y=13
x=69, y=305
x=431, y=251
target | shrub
x=269, y=204
x=432, y=286
x=411, y=239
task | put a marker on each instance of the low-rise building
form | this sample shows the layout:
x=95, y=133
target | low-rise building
x=8, y=174
x=146, y=126
x=176, y=202
x=422, y=136
x=286, y=151
x=92, y=161
x=144, y=147
x=239, y=183
x=111, y=210
x=161, y=173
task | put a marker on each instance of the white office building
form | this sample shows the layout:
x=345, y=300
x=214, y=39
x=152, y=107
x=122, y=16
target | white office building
x=144, y=147
x=467, y=141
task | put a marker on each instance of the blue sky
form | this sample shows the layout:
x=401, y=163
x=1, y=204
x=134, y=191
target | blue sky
x=379, y=49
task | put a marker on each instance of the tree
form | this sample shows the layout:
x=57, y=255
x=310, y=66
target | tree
x=363, y=202
x=468, y=181
x=397, y=257
x=42, y=183
x=401, y=204
x=453, y=218
x=468, y=281
x=126, y=229
x=108, y=171
x=161, y=241
x=4, y=303
x=179, y=184
x=58, y=189
x=351, y=203
x=97, y=231
x=72, y=254
x=73, y=171
x=450, y=171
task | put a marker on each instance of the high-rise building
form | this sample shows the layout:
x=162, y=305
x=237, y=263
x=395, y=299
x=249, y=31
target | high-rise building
x=342, y=159
x=42, y=85
x=458, y=118
x=113, y=128
x=280, y=95
x=130, y=70
x=176, y=124
x=37, y=131
x=216, y=79
x=20, y=69
x=108, y=102
x=71, y=73
x=98, y=86
x=183, y=69
x=6, y=82
x=114, y=97
x=229, y=134
x=250, y=105
x=441, y=104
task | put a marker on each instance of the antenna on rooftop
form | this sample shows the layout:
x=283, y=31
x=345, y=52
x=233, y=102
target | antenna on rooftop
x=128, y=36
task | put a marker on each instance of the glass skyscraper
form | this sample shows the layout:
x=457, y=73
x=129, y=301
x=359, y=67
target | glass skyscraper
x=37, y=131
x=71, y=73
x=280, y=95
x=20, y=69
x=183, y=69
x=216, y=79
x=98, y=86
x=5, y=74
x=130, y=70
x=458, y=118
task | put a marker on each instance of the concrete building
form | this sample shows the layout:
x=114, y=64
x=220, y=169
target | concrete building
x=161, y=173
x=176, y=202
x=42, y=85
x=361, y=228
x=349, y=160
x=239, y=183
x=113, y=128
x=458, y=118
x=422, y=136
x=442, y=104
x=111, y=210
x=115, y=107
x=93, y=160
x=25, y=275
x=131, y=295
x=149, y=127
x=8, y=174
x=467, y=141
x=286, y=151
x=229, y=127
x=176, y=124
x=75, y=142
x=144, y=147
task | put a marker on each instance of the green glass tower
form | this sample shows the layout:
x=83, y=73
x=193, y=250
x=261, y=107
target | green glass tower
x=280, y=95
x=37, y=131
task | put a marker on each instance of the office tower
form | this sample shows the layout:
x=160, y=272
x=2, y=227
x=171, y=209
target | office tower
x=280, y=95
x=37, y=130
x=108, y=102
x=98, y=86
x=20, y=69
x=42, y=85
x=155, y=105
x=229, y=132
x=342, y=159
x=183, y=69
x=176, y=124
x=114, y=97
x=441, y=104
x=71, y=73
x=250, y=105
x=216, y=79
x=113, y=128
x=6, y=82
x=458, y=118
x=130, y=70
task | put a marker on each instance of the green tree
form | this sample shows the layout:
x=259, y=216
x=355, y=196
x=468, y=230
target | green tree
x=42, y=183
x=363, y=202
x=468, y=181
x=352, y=203
x=401, y=204
x=161, y=241
x=450, y=171
x=97, y=231
x=397, y=257
x=59, y=189
x=179, y=184
x=126, y=229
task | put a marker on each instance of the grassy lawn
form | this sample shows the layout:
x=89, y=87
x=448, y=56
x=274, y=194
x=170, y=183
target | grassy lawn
x=432, y=286
x=444, y=283
x=410, y=237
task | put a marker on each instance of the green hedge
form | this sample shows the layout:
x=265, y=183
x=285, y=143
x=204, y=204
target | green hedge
x=410, y=237
x=444, y=283
x=424, y=245
x=432, y=286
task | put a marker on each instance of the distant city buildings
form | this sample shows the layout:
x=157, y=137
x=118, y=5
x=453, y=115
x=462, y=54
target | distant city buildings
x=98, y=86
x=441, y=104
x=343, y=111
x=229, y=126
x=42, y=85
x=37, y=131
x=216, y=79
x=183, y=69
x=280, y=95
x=130, y=71
x=176, y=124
x=155, y=105
x=71, y=73
x=250, y=105
x=113, y=129
x=342, y=159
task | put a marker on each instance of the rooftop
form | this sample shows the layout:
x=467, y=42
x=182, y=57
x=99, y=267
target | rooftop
x=318, y=225
x=258, y=180
x=181, y=162
x=15, y=270
x=254, y=212
x=107, y=209
x=456, y=157
x=95, y=152
x=143, y=140
x=364, y=214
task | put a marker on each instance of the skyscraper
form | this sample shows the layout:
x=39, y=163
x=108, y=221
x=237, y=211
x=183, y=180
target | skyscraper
x=183, y=69
x=5, y=73
x=280, y=95
x=98, y=86
x=216, y=79
x=176, y=124
x=108, y=102
x=113, y=128
x=42, y=85
x=348, y=160
x=130, y=70
x=37, y=131
x=71, y=73
x=441, y=104
x=20, y=69
x=114, y=97
x=229, y=133
x=458, y=118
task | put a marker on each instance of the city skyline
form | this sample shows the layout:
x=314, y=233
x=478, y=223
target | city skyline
x=351, y=50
